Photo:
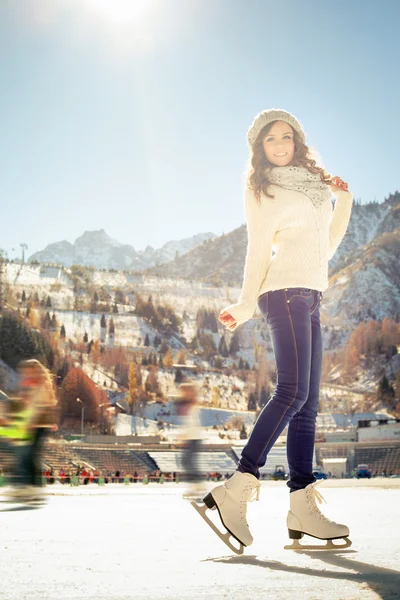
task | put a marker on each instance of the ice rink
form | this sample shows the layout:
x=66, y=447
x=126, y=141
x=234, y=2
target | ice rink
x=146, y=542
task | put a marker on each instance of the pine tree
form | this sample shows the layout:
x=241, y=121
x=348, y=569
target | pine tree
x=111, y=326
x=62, y=332
x=86, y=338
x=386, y=393
x=178, y=376
x=53, y=323
x=23, y=296
x=48, y=302
x=46, y=321
x=234, y=345
x=103, y=323
x=147, y=340
x=164, y=347
x=263, y=397
x=222, y=347
x=243, y=432
x=218, y=363
x=252, y=402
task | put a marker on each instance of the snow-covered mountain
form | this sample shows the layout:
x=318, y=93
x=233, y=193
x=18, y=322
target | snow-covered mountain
x=97, y=249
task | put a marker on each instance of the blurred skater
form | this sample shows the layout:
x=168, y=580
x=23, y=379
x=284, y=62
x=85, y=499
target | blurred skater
x=186, y=406
x=31, y=418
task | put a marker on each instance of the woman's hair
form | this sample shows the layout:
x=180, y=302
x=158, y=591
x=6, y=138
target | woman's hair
x=46, y=380
x=257, y=179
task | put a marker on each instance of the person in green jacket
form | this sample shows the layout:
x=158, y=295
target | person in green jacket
x=15, y=428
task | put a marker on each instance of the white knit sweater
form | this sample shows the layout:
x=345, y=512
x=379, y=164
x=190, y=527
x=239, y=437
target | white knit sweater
x=304, y=238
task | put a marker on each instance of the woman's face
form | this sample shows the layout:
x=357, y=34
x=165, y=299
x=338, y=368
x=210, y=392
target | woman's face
x=278, y=144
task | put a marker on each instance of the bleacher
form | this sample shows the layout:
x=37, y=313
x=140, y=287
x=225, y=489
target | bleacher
x=208, y=462
x=379, y=459
x=58, y=456
x=6, y=456
x=110, y=460
x=331, y=451
x=276, y=456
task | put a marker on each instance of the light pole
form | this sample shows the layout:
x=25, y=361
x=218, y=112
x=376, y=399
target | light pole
x=82, y=414
x=101, y=415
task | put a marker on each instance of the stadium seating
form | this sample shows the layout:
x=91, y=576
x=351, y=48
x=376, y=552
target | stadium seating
x=380, y=460
x=276, y=456
x=208, y=462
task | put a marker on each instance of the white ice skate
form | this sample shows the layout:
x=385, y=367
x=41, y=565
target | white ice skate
x=230, y=499
x=194, y=491
x=24, y=494
x=13, y=494
x=304, y=517
x=34, y=494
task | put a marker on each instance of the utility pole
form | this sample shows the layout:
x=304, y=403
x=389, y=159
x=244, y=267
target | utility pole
x=82, y=414
x=24, y=247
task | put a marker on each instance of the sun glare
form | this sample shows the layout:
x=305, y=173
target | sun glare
x=122, y=12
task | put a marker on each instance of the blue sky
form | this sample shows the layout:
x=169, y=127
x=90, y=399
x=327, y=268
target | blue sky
x=136, y=122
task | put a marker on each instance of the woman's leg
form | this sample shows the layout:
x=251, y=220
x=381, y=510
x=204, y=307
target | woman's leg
x=36, y=457
x=288, y=314
x=301, y=431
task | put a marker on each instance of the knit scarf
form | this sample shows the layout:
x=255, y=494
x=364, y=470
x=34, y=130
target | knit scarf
x=301, y=180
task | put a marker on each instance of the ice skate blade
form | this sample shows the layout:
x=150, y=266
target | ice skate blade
x=295, y=545
x=223, y=536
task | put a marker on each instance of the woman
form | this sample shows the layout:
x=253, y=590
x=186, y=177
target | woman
x=37, y=390
x=288, y=207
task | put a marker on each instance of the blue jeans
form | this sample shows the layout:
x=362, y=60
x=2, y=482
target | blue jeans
x=292, y=315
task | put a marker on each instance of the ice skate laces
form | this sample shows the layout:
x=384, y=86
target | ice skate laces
x=314, y=496
x=250, y=493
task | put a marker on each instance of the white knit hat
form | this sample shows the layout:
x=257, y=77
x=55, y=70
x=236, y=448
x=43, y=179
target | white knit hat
x=267, y=116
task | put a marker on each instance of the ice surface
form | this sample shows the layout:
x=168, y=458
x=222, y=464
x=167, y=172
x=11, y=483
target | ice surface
x=146, y=542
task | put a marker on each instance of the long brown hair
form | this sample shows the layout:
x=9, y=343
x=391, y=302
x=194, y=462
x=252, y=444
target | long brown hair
x=257, y=179
x=46, y=384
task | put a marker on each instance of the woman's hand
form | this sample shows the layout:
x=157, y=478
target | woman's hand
x=338, y=185
x=226, y=319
